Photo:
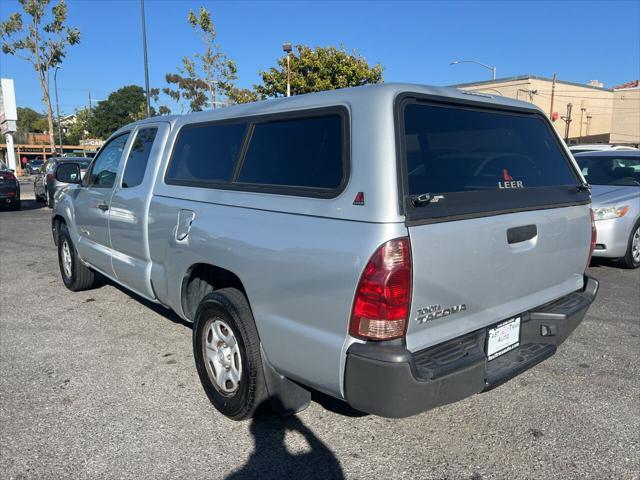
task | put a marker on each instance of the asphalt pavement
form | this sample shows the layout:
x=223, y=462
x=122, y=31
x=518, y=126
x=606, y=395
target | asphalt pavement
x=101, y=384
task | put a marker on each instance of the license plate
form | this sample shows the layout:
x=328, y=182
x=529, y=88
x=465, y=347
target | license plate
x=503, y=338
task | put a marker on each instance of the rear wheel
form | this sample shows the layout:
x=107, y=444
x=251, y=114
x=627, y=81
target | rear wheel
x=226, y=348
x=632, y=257
x=75, y=275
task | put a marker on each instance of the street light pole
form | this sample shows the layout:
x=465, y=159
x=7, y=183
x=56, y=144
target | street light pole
x=55, y=83
x=488, y=67
x=286, y=47
x=146, y=66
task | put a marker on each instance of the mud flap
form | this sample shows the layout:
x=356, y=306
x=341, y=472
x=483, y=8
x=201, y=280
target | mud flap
x=286, y=397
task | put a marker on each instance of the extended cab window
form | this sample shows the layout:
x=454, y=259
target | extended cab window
x=303, y=153
x=105, y=167
x=481, y=160
x=138, y=157
x=205, y=153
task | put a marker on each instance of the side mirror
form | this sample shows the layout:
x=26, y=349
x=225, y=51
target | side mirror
x=68, y=173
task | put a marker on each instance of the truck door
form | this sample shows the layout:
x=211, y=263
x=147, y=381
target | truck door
x=92, y=204
x=129, y=208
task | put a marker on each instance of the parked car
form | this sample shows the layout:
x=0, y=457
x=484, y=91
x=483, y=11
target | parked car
x=45, y=184
x=34, y=166
x=9, y=188
x=396, y=246
x=615, y=185
x=599, y=147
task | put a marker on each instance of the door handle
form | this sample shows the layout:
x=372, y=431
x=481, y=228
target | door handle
x=521, y=234
x=103, y=206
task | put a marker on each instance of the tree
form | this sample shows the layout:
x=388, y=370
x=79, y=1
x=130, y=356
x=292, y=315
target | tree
x=325, y=68
x=154, y=94
x=123, y=106
x=79, y=129
x=43, y=45
x=243, y=95
x=28, y=121
x=189, y=86
x=215, y=75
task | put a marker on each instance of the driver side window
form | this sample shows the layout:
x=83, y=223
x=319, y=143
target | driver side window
x=105, y=167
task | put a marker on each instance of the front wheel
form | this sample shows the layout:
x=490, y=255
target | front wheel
x=632, y=257
x=75, y=275
x=226, y=348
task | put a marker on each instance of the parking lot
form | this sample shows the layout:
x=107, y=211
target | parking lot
x=101, y=384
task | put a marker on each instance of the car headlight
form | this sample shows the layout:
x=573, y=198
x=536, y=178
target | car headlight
x=607, y=213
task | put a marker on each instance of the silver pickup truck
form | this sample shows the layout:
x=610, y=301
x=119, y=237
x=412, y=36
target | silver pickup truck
x=396, y=246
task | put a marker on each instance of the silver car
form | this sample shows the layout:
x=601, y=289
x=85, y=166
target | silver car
x=45, y=183
x=614, y=176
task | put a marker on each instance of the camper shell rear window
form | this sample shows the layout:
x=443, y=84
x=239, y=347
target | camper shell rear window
x=467, y=160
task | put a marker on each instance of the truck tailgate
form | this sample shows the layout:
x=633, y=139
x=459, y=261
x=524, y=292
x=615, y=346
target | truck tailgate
x=472, y=273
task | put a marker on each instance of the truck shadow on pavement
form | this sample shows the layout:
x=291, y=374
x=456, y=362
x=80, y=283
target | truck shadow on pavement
x=272, y=460
x=156, y=307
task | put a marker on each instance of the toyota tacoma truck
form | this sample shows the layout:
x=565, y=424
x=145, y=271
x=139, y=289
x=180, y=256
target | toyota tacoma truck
x=396, y=246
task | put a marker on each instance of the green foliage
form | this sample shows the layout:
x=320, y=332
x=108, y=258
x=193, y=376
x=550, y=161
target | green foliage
x=42, y=44
x=325, y=68
x=214, y=75
x=243, y=95
x=79, y=129
x=42, y=125
x=123, y=106
x=154, y=93
x=29, y=121
x=189, y=86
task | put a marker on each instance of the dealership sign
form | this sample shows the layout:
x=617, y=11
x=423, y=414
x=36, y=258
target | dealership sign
x=8, y=111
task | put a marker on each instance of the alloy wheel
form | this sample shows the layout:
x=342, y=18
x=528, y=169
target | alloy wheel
x=221, y=352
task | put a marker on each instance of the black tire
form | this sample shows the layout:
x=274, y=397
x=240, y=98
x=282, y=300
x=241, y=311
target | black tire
x=231, y=306
x=627, y=260
x=39, y=198
x=17, y=205
x=82, y=277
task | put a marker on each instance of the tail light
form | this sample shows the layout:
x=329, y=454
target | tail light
x=8, y=176
x=382, y=300
x=593, y=238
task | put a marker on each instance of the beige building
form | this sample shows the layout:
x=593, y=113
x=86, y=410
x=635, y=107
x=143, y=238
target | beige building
x=625, y=127
x=581, y=113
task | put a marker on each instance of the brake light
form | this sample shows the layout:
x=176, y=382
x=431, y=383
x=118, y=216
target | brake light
x=382, y=300
x=8, y=176
x=594, y=236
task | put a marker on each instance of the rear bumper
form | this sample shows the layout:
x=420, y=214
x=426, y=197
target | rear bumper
x=390, y=381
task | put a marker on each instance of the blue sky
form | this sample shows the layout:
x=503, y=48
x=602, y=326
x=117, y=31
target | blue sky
x=414, y=41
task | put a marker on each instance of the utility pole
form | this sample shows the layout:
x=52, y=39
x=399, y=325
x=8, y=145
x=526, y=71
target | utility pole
x=567, y=121
x=553, y=94
x=588, y=124
x=146, y=66
x=582, y=110
x=90, y=106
